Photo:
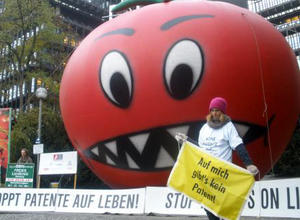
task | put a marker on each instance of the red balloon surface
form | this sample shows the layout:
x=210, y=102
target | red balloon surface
x=141, y=77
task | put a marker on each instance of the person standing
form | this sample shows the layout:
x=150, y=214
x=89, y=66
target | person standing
x=219, y=137
x=25, y=158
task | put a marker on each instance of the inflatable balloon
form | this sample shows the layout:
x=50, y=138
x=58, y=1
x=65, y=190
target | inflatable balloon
x=141, y=77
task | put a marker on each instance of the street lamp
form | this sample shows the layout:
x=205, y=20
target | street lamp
x=41, y=93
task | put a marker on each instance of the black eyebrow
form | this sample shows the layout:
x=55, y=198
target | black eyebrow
x=122, y=31
x=169, y=24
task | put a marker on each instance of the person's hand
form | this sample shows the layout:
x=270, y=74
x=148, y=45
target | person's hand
x=252, y=169
x=181, y=137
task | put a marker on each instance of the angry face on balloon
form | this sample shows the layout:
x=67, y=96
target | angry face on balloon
x=138, y=79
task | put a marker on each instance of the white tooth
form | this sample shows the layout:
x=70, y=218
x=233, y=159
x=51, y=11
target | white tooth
x=139, y=141
x=95, y=150
x=241, y=129
x=131, y=162
x=112, y=146
x=164, y=159
x=181, y=129
x=109, y=161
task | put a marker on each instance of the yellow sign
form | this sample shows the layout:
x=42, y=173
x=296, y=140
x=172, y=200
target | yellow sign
x=218, y=185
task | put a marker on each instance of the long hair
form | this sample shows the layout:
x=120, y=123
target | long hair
x=26, y=152
x=222, y=117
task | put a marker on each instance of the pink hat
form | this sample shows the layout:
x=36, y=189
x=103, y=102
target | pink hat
x=218, y=103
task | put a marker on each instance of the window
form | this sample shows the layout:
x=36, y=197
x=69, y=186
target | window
x=14, y=91
x=32, y=85
x=294, y=41
x=260, y=5
x=1, y=97
x=24, y=88
x=10, y=94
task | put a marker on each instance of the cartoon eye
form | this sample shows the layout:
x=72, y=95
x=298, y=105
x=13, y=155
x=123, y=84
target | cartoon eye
x=115, y=78
x=183, y=68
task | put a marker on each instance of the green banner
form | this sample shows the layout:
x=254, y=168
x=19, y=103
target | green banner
x=19, y=175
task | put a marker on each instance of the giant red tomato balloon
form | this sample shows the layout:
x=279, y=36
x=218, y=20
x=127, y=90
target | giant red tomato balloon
x=139, y=78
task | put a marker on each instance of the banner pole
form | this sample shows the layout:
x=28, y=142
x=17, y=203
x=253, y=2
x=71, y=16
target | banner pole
x=75, y=180
x=38, y=177
x=38, y=181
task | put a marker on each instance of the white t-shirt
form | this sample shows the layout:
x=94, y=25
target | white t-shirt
x=219, y=142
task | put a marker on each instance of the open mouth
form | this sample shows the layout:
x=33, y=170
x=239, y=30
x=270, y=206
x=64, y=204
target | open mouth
x=156, y=149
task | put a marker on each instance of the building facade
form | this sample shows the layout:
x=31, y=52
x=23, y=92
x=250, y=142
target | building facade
x=285, y=16
x=83, y=15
